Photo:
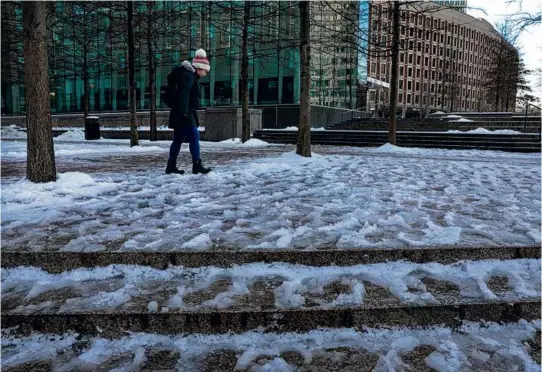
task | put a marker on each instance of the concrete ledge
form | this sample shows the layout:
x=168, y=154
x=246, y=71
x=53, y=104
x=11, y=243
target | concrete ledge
x=56, y=262
x=118, y=324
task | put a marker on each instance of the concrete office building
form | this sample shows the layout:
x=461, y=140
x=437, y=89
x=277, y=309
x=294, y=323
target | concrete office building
x=444, y=60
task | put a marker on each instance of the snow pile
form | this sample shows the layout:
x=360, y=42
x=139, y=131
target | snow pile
x=297, y=281
x=463, y=120
x=388, y=147
x=453, y=117
x=473, y=346
x=253, y=142
x=481, y=130
x=13, y=132
x=76, y=134
x=294, y=129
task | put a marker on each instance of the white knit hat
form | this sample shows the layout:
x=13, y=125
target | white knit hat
x=200, y=60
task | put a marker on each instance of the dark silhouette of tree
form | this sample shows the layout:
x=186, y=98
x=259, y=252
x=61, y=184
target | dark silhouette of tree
x=40, y=165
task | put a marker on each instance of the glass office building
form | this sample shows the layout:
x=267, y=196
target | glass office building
x=79, y=33
x=183, y=27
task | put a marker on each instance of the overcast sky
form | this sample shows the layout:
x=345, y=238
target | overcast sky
x=530, y=40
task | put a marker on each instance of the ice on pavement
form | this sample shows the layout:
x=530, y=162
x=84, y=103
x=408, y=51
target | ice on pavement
x=22, y=285
x=473, y=346
x=384, y=197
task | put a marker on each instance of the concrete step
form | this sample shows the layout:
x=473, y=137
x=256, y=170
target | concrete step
x=120, y=298
x=405, y=134
x=472, y=346
x=56, y=262
x=117, y=324
x=516, y=143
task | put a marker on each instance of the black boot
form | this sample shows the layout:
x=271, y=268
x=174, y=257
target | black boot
x=173, y=170
x=197, y=167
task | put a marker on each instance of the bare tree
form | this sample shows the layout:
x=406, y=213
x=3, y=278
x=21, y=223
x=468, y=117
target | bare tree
x=12, y=49
x=523, y=19
x=392, y=131
x=244, y=74
x=506, y=72
x=40, y=166
x=73, y=44
x=151, y=58
x=304, y=126
x=134, y=141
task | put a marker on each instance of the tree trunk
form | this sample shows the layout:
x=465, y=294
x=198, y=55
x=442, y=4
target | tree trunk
x=152, y=71
x=40, y=164
x=244, y=74
x=392, y=130
x=304, y=125
x=134, y=141
x=86, y=87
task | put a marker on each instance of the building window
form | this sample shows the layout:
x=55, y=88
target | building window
x=417, y=87
x=410, y=72
x=401, y=57
x=401, y=84
x=409, y=86
x=410, y=58
x=408, y=98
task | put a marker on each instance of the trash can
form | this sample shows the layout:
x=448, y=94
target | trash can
x=92, y=128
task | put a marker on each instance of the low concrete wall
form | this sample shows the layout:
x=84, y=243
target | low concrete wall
x=222, y=123
x=283, y=116
x=272, y=117
x=107, y=119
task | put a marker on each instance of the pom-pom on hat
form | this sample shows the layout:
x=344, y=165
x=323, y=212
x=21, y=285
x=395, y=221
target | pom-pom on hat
x=200, y=60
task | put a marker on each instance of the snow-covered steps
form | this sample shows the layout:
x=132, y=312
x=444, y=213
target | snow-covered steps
x=444, y=140
x=57, y=262
x=470, y=347
x=116, y=324
x=280, y=296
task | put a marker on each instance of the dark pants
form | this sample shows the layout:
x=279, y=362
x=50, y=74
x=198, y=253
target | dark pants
x=182, y=134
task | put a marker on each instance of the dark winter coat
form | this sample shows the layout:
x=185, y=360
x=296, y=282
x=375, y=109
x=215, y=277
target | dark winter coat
x=184, y=112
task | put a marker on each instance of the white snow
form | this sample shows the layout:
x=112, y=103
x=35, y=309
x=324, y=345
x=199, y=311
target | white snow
x=486, y=131
x=388, y=147
x=253, y=142
x=462, y=120
x=132, y=281
x=13, y=131
x=452, y=117
x=383, y=197
x=294, y=129
x=76, y=134
x=498, y=345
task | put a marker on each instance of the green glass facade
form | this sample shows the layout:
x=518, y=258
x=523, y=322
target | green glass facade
x=182, y=27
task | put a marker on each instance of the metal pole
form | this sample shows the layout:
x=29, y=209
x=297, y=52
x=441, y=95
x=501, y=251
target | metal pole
x=525, y=120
